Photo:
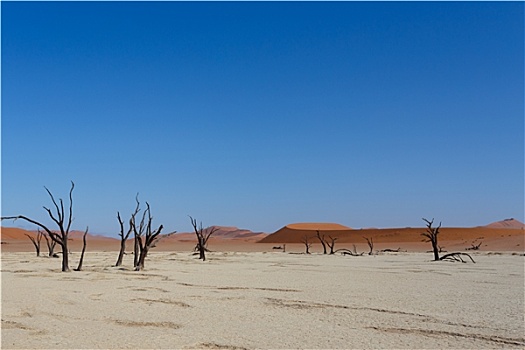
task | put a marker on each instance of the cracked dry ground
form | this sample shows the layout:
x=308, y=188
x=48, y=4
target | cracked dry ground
x=262, y=301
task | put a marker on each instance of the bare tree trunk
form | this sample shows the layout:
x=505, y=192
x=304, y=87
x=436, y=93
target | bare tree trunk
x=370, y=243
x=144, y=231
x=432, y=236
x=136, y=252
x=321, y=239
x=124, y=237
x=65, y=258
x=79, y=268
x=202, y=238
x=121, y=253
x=142, y=259
x=331, y=244
x=36, y=241
x=202, y=249
x=50, y=246
x=307, y=244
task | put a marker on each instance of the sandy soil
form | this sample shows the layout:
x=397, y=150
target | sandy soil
x=258, y=300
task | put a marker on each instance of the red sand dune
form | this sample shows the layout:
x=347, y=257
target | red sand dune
x=221, y=233
x=493, y=238
x=507, y=223
x=15, y=239
x=506, y=239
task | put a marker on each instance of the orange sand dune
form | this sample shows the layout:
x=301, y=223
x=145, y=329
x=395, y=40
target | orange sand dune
x=222, y=232
x=409, y=238
x=15, y=240
x=507, y=223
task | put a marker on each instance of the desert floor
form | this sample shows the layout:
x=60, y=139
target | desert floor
x=262, y=300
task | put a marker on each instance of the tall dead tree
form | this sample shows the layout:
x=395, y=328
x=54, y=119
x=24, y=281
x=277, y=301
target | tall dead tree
x=61, y=219
x=36, y=240
x=145, y=237
x=432, y=236
x=125, y=236
x=79, y=267
x=322, y=240
x=331, y=244
x=203, y=235
x=307, y=244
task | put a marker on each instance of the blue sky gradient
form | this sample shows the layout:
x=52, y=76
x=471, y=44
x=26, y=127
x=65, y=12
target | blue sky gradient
x=260, y=114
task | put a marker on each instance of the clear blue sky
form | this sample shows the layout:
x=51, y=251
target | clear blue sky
x=258, y=115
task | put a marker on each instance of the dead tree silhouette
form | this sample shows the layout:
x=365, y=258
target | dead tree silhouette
x=307, y=244
x=322, y=240
x=432, y=236
x=203, y=235
x=125, y=236
x=145, y=237
x=36, y=240
x=61, y=218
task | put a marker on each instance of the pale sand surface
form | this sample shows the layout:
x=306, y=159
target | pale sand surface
x=258, y=300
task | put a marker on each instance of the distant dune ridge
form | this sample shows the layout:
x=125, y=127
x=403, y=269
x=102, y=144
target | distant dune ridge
x=222, y=232
x=505, y=235
x=502, y=235
x=294, y=233
x=507, y=223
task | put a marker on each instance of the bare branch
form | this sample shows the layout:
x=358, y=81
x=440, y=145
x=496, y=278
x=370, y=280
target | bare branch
x=70, y=206
x=33, y=222
x=56, y=206
x=79, y=268
x=456, y=256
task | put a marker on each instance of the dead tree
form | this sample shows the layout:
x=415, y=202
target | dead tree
x=125, y=236
x=388, y=250
x=307, y=244
x=145, y=237
x=370, y=243
x=345, y=251
x=61, y=219
x=322, y=240
x=474, y=246
x=432, y=236
x=456, y=257
x=202, y=238
x=331, y=244
x=137, y=234
x=50, y=246
x=79, y=267
x=36, y=240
